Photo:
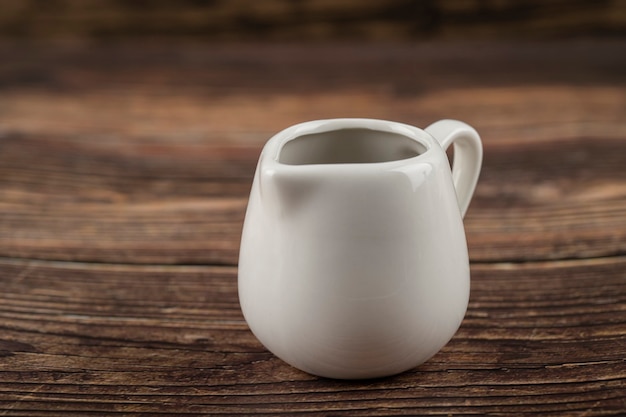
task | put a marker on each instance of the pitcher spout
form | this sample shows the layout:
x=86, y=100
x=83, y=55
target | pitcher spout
x=288, y=188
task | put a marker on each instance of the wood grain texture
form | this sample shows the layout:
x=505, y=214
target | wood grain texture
x=114, y=156
x=82, y=338
x=124, y=175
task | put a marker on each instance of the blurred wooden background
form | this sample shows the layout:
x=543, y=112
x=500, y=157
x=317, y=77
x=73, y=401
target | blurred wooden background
x=127, y=155
x=311, y=19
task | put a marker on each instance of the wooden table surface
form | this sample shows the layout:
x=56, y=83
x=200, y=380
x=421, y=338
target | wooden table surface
x=124, y=175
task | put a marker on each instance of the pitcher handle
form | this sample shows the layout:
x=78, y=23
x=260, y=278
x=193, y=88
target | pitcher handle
x=468, y=156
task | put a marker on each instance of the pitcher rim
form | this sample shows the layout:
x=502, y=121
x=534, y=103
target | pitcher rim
x=280, y=139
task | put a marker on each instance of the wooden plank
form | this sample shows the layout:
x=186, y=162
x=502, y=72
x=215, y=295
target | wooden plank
x=184, y=204
x=110, y=155
x=542, y=337
x=550, y=200
x=218, y=69
x=245, y=93
x=312, y=19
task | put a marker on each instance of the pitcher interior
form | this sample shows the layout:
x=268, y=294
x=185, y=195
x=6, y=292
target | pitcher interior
x=349, y=146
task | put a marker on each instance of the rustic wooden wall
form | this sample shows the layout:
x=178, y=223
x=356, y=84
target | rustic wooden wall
x=311, y=19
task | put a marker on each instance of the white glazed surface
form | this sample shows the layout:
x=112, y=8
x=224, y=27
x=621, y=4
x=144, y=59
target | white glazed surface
x=355, y=270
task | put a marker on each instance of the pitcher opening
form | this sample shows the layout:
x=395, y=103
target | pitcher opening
x=349, y=146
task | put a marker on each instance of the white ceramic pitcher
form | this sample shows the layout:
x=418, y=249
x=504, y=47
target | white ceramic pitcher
x=353, y=259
